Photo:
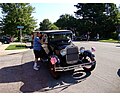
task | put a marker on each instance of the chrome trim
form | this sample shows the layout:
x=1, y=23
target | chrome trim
x=74, y=66
x=72, y=62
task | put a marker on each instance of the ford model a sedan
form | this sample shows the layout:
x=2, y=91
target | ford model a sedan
x=63, y=55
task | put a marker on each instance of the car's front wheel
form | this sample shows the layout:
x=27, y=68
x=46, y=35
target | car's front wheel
x=89, y=59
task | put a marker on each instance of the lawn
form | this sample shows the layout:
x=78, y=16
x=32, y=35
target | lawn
x=16, y=47
x=110, y=41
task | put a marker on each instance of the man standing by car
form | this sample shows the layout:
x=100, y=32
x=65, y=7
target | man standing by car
x=37, y=48
x=88, y=36
x=97, y=37
x=119, y=37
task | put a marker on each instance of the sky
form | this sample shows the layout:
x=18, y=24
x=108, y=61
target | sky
x=52, y=11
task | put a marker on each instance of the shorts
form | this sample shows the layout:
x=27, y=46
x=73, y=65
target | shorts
x=40, y=54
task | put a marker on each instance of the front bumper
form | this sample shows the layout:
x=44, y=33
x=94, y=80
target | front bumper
x=76, y=66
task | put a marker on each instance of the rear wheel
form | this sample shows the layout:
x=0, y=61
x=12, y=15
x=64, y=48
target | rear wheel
x=54, y=73
x=89, y=59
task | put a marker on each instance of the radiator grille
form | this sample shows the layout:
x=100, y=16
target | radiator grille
x=72, y=55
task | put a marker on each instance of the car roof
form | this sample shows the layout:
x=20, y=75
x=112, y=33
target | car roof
x=56, y=31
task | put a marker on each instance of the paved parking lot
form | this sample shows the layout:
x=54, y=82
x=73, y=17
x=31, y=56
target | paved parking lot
x=18, y=76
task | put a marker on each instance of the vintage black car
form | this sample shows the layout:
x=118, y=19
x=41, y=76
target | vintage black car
x=63, y=55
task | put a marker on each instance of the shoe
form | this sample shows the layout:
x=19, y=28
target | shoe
x=35, y=67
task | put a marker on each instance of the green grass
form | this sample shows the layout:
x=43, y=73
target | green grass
x=16, y=47
x=110, y=41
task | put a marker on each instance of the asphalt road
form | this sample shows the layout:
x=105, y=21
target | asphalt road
x=17, y=75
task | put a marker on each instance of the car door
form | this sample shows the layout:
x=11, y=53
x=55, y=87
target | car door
x=45, y=44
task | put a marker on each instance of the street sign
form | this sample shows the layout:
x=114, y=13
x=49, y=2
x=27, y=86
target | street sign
x=21, y=27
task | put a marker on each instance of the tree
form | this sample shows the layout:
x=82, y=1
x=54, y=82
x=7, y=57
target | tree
x=1, y=25
x=47, y=25
x=44, y=25
x=53, y=27
x=17, y=14
x=66, y=22
x=97, y=18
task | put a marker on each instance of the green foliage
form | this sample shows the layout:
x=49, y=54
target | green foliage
x=47, y=25
x=118, y=18
x=44, y=25
x=53, y=27
x=114, y=35
x=66, y=22
x=97, y=18
x=17, y=14
x=109, y=40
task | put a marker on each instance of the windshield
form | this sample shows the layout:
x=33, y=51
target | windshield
x=60, y=37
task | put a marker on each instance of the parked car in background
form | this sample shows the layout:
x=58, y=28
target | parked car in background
x=5, y=40
x=80, y=38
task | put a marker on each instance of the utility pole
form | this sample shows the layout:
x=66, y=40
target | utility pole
x=21, y=35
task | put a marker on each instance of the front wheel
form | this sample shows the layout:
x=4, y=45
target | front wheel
x=89, y=59
x=54, y=74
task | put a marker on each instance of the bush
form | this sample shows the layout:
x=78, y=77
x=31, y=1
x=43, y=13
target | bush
x=114, y=35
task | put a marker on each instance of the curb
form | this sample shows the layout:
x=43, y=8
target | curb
x=4, y=52
x=14, y=52
x=0, y=43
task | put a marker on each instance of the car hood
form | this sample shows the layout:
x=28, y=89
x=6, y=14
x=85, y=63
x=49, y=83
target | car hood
x=59, y=46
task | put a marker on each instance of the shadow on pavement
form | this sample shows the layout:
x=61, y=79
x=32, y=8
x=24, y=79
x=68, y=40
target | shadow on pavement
x=39, y=80
x=118, y=72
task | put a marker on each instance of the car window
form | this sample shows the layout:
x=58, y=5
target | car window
x=54, y=37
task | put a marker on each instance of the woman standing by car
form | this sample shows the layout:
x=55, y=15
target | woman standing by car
x=37, y=48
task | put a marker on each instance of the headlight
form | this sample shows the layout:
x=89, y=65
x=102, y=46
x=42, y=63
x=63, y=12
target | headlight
x=63, y=52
